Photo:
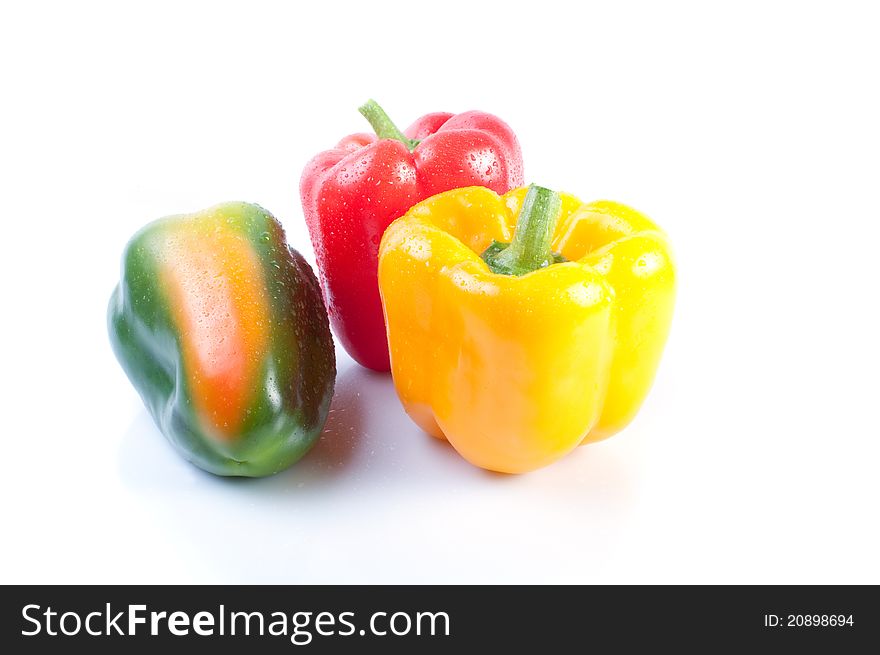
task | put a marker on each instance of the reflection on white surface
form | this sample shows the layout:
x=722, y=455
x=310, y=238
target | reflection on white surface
x=378, y=500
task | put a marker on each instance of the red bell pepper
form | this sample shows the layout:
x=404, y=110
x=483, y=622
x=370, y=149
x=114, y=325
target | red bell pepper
x=351, y=193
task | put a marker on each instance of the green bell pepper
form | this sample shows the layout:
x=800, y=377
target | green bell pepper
x=221, y=328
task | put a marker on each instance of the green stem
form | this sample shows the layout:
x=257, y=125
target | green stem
x=530, y=248
x=382, y=125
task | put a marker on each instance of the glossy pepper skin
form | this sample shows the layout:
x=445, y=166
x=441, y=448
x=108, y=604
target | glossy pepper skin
x=517, y=370
x=351, y=193
x=221, y=328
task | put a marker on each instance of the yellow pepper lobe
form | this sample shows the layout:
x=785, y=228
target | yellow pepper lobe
x=513, y=355
x=516, y=371
x=215, y=287
x=634, y=257
x=633, y=254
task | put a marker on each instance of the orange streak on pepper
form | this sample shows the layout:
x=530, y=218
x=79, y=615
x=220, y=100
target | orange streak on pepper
x=216, y=291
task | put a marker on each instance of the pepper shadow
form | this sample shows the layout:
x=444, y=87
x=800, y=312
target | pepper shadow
x=145, y=455
x=370, y=446
x=374, y=473
x=335, y=451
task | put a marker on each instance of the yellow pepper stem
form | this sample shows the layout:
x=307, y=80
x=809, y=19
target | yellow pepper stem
x=530, y=248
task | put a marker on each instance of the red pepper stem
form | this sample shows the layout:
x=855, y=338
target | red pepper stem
x=530, y=248
x=382, y=125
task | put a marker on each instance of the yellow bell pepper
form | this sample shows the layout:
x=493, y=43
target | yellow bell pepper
x=518, y=356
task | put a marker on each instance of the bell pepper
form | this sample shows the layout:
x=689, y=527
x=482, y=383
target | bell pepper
x=221, y=329
x=351, y=193
x=523, y=325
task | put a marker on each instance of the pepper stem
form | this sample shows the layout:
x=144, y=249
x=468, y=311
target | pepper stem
x=382, y=125
x=530, y=248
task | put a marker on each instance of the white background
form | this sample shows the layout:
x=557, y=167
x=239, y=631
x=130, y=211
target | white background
x=749, y=132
